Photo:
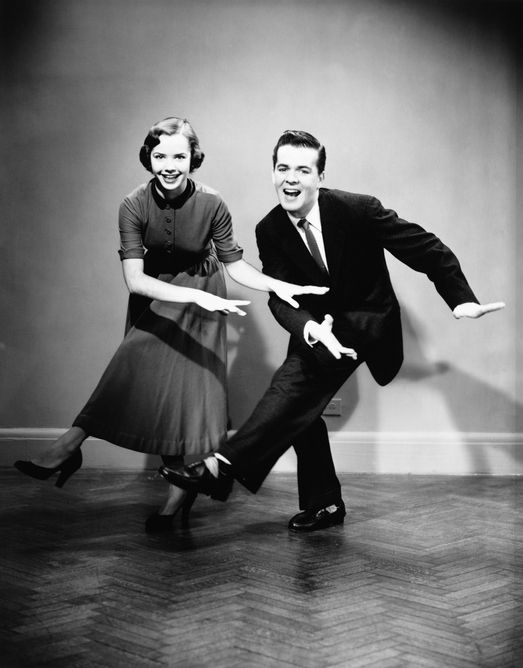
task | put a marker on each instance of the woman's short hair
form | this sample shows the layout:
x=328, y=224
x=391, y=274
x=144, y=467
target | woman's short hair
x=301, y=138
x=172, y=125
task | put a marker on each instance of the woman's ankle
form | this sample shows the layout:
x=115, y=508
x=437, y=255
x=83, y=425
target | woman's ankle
x=174, y=500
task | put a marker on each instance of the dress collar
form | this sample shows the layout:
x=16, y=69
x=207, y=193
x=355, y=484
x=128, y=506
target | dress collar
x=162, y=202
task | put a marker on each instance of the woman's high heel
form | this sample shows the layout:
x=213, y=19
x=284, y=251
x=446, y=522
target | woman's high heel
x=156, y=523
x=186, y=507
x=66, y=468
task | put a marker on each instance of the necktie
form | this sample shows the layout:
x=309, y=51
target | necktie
x=313, y=246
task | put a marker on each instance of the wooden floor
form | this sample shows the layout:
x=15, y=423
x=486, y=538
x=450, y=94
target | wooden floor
x=422, y=574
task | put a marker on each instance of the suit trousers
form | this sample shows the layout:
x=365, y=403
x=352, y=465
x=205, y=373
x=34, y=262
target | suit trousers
x=289, y=413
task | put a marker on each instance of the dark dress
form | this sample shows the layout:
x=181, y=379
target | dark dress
x=164, y=391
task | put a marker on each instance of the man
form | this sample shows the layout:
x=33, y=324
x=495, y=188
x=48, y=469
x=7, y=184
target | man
x=337, y=239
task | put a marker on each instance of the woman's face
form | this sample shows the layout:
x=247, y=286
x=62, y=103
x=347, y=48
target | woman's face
x=171, y=162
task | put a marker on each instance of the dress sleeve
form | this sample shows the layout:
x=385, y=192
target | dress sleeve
x=130, y=226
x=227, y=247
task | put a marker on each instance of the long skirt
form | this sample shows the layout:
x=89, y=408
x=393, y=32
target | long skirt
x=164, y=391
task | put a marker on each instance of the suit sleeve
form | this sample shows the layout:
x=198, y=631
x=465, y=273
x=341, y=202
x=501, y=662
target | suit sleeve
x=274, y=264
x=421, y=251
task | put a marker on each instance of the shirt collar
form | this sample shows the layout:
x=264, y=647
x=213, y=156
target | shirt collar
x=313, y=217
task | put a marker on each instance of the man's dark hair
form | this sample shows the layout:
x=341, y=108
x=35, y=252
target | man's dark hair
x=301, y=138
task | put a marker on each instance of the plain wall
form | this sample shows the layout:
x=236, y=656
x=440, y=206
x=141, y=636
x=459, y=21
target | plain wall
x=416, y=102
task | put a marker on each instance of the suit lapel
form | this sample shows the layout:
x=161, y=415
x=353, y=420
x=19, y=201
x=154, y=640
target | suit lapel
x=333, y=234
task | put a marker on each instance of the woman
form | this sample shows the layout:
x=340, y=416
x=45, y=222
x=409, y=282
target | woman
x=164, y=391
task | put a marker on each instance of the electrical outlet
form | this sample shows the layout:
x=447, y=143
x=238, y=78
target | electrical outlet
x=333, y=407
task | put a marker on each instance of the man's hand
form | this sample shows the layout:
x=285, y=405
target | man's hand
x=323, y=333
x=473, y=310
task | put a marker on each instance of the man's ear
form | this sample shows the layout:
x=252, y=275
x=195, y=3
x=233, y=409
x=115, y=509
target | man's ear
x=273, y=175
x=322, y=176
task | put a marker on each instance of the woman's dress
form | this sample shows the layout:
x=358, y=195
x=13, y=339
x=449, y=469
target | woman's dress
x=164, y=391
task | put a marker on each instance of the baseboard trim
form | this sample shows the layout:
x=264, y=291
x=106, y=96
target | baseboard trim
x=445, y=453
x=26, y=443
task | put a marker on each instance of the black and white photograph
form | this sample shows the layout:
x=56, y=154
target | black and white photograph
x=261, y=380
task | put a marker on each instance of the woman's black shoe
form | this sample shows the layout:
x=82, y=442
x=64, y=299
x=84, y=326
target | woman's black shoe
x=157, y=523
x=66, y=468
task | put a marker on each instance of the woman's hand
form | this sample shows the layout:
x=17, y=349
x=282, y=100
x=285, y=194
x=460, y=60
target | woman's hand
x=286, y=291
x=211, y=302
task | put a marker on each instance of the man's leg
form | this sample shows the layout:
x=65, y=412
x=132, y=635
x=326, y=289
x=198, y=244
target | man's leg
x=318, y=484
x=295, y=400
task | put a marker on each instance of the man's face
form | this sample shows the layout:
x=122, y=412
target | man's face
x=296, y=179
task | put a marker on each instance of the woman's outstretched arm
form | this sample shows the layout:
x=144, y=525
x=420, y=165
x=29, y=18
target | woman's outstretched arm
x=141, y=284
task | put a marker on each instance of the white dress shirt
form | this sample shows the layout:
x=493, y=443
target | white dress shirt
x=315, y=226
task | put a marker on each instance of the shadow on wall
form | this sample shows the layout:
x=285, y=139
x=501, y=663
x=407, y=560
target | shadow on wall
x=467, y=398
x=250, y=371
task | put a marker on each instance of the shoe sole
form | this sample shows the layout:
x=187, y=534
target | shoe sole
x=316, y=528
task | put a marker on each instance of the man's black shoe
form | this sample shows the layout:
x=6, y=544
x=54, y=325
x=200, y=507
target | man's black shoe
x=197, y=477
x=312, y=520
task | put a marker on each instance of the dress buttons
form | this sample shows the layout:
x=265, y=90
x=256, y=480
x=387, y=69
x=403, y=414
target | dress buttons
x=168, y=220
x=168, y=232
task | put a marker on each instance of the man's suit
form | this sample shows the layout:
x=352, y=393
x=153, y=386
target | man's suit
x=356, y=231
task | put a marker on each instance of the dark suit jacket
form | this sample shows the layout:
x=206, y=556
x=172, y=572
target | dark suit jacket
x=356, y=231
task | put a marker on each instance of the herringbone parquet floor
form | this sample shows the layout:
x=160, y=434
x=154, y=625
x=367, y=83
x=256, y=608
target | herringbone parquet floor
x=422, y=574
